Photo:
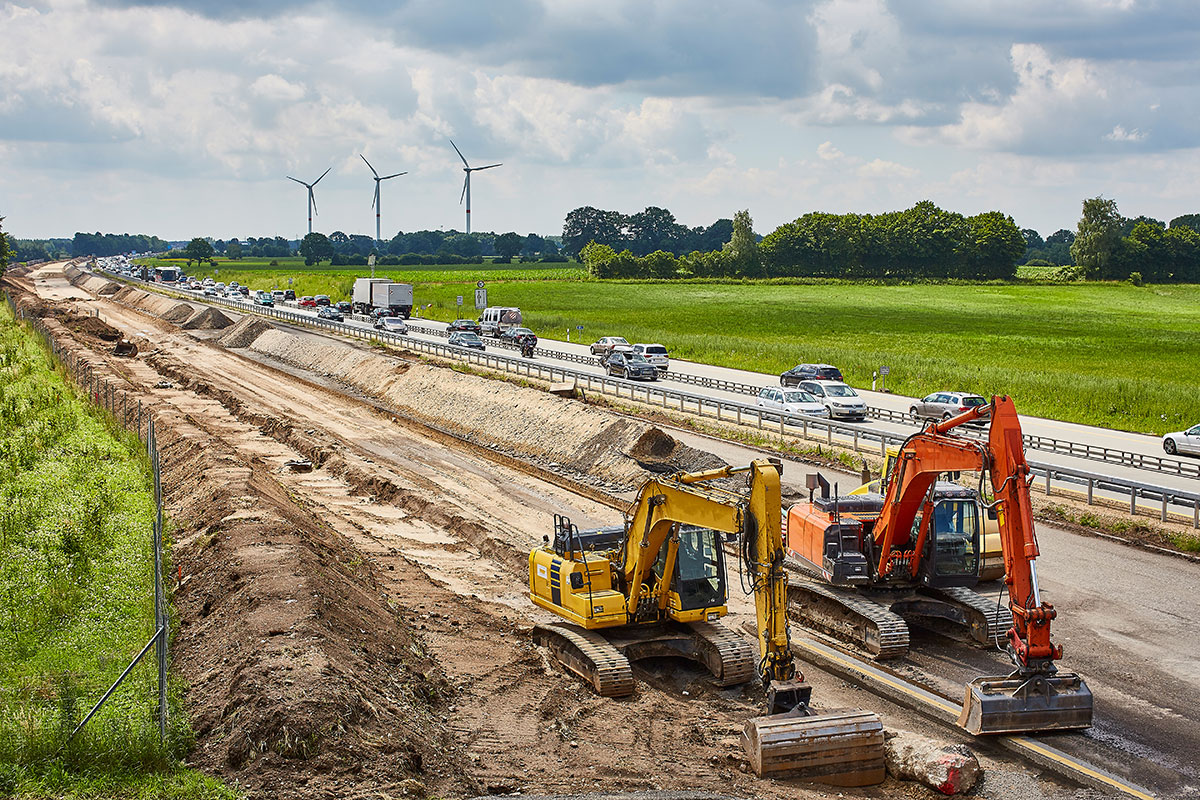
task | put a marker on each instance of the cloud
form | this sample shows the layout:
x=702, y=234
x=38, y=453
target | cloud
x=1119, y=134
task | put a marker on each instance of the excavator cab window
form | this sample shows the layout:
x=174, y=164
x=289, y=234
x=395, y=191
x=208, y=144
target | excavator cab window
x=699, y=577
x=955, y=538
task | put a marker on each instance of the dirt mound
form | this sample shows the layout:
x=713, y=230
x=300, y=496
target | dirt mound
x=245, y=332
x=207, y=319
x=110, y=287
x=179, y=313
x=92, y=326
x=528, y=423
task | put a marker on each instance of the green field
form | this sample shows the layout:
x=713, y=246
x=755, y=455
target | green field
x=1107, y=354
x=76, y=507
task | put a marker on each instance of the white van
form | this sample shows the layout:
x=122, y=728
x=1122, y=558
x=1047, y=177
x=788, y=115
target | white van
x=497, y=319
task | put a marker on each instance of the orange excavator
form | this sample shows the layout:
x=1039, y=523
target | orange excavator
x=916, y=537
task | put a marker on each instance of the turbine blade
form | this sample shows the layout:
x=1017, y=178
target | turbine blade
x=460, y=155
x=375, y=197
x=397, y=175
x=312, y=198
x=464, y=191
x=368, y=163
x=297, y=180
x=489, y=166
x=323, y=174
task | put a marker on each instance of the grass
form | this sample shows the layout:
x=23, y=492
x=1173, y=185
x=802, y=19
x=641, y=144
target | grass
x=75, y=573
x=1107, y=354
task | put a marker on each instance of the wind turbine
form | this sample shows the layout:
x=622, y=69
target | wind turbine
x=312, y=201
x=466, y=192
x=375, y=203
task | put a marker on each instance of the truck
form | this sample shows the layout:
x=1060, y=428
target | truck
x=371, y=293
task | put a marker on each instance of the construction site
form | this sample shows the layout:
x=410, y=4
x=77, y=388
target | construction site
x=376, y=551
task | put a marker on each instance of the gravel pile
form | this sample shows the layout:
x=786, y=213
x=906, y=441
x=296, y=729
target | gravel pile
x=207, y=319
x=179, y=313
x=245, y=332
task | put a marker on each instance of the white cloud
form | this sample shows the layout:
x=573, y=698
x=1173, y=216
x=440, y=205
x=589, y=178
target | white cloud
x=275, y=87
x=1119, y=134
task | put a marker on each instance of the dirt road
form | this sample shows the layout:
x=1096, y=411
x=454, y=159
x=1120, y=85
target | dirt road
x=362, y=628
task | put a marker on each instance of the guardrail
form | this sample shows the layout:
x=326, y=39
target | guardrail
x=728, y=410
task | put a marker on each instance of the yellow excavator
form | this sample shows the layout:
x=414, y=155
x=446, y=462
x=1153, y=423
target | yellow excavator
x=656, y=586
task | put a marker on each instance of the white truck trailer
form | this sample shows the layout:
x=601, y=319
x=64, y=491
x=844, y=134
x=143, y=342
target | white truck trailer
x=372, y=293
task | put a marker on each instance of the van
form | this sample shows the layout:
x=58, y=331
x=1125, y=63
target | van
x=497, y=319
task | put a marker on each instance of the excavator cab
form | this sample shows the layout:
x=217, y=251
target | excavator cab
x=698, y=581
x=954, y=541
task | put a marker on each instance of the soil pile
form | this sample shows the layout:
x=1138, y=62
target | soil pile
x=245, y=332
x=207, y=319
x=179, y=313
x=528, y=423
x=92, y=326
x=109, y=288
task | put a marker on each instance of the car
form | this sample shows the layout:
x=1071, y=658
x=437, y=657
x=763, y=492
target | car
x=244, y=291
x=219, y=286
x=195, y=285
x=608, y=345
x=633, y=366
x=1183, y=442
x=264, y=299
x=329, y=312
x=233, y=284
x=379, y=313
x=344, y=306
x=321, y=299
x=391, y=325
x=792, y=401
x=841, y=400
x=233, y=294
x=307, y=302
x=289, y=294
x=277, y=295
x=810, y=372
x=516, y=334
x=944, y=405
x=210, y=291
x=464, y=325
x=466, y=339
x=209, y=281
x=656, y=354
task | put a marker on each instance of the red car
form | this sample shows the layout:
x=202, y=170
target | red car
x=307, y=302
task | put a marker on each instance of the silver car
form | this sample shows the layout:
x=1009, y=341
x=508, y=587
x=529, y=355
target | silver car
x=944, y=405
x=656, y=354
x=1183, y=442
x=841, y=400
x=792, y=401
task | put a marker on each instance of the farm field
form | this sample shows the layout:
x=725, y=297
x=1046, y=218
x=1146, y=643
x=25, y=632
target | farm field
x=76, y=508
x=1107, y=354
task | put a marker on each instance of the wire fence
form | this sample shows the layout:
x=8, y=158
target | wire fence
x=119, y=712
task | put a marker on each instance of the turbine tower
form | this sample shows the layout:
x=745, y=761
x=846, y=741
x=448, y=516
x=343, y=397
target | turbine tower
x=375, y=202
x=312, y=201
x=466, y=192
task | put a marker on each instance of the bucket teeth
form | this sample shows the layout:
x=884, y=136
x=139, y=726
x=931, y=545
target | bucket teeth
x=1026, y=704
x=841, y=747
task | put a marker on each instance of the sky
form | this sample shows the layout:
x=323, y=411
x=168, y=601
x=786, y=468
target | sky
x=183, y=118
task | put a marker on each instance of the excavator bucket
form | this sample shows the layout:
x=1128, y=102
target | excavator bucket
x=1026, y=704
x=126, y=348
x=842, y=747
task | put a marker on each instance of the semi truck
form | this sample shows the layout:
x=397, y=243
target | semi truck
x=372, y=293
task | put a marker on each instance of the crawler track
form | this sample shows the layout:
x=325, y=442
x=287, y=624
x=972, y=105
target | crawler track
x=848, y=617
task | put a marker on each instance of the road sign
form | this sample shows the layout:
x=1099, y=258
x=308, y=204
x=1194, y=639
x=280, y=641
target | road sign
x=884, y=370
x=289, y=282
x=479, y=284
x=480, y=299
x=460, y=299
x=371, y=260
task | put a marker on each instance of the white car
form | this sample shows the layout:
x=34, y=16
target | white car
x=1183, y=442
x=391, y=325
x=841, y=400
x=656, y=354
x=792, y=401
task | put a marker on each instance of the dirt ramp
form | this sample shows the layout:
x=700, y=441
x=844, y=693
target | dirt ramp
x=207, y=319
x=245, y=332
x=528, y=423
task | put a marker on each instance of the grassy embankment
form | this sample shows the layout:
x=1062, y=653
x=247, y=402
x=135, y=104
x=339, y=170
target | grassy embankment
x=1107, y=354
x=76, y=508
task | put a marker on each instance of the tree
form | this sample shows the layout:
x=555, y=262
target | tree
x=533, y=246
x=1097, y=237
x=743, y=246
x=198, y=250
x=998, y=245
x=588, y=224
x=715, y=235
x=316, y=248
x=652, y=229
x=4, y=249
x=1191, y=221
x=233, y=249
x=508, y=245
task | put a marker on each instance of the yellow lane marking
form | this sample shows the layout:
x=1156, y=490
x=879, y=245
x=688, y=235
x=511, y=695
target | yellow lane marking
x=1116, y=783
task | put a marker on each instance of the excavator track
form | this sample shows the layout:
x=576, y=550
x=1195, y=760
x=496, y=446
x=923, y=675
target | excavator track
x=987, y=623
x=728, y=656
x=589, y=655
x=848, y=617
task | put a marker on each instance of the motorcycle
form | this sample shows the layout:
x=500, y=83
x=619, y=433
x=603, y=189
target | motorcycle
x=526, y=349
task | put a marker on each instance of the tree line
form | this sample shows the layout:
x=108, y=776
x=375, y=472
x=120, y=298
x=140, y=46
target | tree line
x=1109, y=246
x=921, y=242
